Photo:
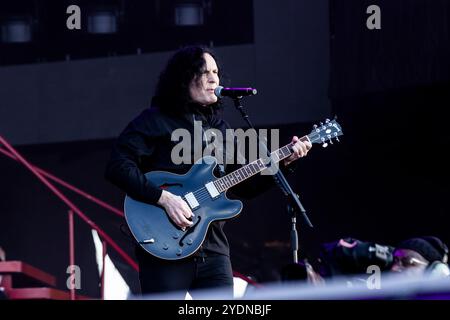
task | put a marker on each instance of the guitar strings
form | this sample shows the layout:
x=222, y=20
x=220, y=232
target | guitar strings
x=202, y=193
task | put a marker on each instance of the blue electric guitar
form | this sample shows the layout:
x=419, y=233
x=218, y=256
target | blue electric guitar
x=206, y=196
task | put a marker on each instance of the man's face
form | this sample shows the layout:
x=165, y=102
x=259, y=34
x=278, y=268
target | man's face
x=202, y=88
x=409, y=262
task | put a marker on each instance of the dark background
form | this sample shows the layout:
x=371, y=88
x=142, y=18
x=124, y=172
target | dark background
x=385, y=181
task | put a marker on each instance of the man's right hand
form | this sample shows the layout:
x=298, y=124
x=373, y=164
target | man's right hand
x=176, y=208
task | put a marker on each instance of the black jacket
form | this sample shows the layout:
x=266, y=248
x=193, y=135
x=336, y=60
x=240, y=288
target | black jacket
x=145, y=145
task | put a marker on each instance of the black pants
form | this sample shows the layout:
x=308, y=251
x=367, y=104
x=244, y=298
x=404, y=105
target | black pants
x=189, y=274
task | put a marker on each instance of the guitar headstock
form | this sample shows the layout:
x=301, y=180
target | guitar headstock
x=326, y=132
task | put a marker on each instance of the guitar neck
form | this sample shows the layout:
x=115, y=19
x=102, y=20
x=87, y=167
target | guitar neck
x=245, y=172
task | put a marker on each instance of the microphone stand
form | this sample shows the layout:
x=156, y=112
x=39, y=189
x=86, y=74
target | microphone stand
x=294, y=205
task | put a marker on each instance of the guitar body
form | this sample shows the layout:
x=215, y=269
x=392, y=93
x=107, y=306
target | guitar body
x=157, y=233
x=206, y=195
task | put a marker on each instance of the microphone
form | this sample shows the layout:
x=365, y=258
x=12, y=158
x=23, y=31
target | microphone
x=233, y=92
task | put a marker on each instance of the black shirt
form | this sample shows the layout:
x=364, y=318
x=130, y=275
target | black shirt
x=146, y=145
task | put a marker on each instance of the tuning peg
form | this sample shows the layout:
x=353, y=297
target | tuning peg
x=321, y=124
x=336, y=136
x=327, y=120
x=329, y=139
x=325, y=145
x=316, y=128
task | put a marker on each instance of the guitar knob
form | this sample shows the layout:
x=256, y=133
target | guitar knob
x=190, y=241
x=176, y=235
x=165, y=246
x=179, y=252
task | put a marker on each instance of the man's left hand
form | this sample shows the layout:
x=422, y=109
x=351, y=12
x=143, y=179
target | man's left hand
x=300, y=149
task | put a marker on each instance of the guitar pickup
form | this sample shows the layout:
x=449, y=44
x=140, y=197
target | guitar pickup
x=212, y=190
x=191, y=200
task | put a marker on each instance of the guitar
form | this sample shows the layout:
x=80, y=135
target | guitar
x=206, y=196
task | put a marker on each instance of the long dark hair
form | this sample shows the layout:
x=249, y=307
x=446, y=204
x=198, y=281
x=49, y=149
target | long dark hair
x=172, y=90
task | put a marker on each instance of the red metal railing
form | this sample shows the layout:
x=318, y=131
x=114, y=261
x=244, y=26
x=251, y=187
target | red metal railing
x=71, y=252
x=44, y=177
x=69, y=186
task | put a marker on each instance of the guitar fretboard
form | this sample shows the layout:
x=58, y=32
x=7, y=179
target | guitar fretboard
x=224, y=183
